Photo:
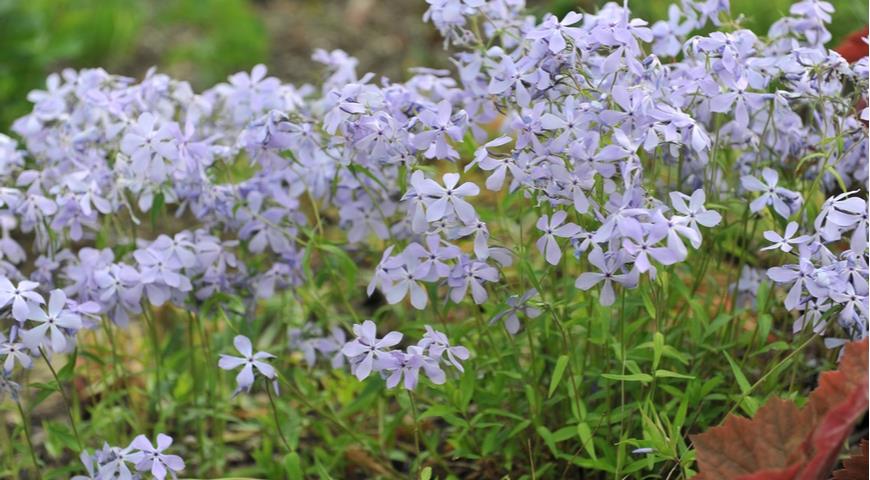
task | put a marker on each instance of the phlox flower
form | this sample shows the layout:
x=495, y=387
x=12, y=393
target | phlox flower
x=398, y=365
x=692, y=212
x=784, y=202
x=15, y=352
x=471, y=274
x=56, y=321
x=553, y=31
x=366, y=351
x=152, y=459
x=785, y=241
x=643, y=247
x=442, y=201
x=438, y=345
x=404, y=281
x=431, y=259
x=433, y=141
x=249, y=361
x=21, y=297
x=517, y=305
x=609, y=267
x=552, y=228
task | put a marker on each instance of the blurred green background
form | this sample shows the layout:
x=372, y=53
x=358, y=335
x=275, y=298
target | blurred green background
x=203, y=41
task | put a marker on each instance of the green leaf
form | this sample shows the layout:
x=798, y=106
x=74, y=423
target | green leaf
x=738, y=375
x=585, y=434
x=548, y=439
x=764, y=324
x=59, y=438
x=670, y=374
x=658, y=348
x=438, y=411
x=561, y=363
x=762, y=295
x=717, y=324
x=648, y=304
x=157, y=208
x=778, y=346
x=426, y=473
x=634, y=377
x=466, y=389
x=293, y=466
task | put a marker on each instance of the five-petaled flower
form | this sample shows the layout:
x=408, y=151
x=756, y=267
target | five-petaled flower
x=249, y=361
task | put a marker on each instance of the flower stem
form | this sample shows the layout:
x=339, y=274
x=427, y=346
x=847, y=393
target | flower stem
x=416, y=425
x=24, y=423
x=277, y=420
x=155, y=348
x=63, y=394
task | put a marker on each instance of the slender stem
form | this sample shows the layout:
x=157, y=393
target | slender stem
x=769, y=373
x=332, y=418
x=63, y=394
x=24, y=424
x=416, y=425
x=277, y=420
x=155, y=350
x=197, y=383
x=531, y=459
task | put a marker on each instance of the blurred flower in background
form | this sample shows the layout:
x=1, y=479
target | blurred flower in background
x=203, y=41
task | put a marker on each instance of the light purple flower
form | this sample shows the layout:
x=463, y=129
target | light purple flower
x=14, y=352
x=553, y=30
x=694, y=212
x=249, y=361
x=405, y=281
x=366, y=349
x=643, y=247
x=784, y=202
x=552, y=228
x=517, y=305
x=438, y=344
x=442, y=201
x=52, y=321
x=785, y=241
x=151, y=146
x=151, y=458
x=431, y=259
x=433, y=141
x=471, y=274
x=800, y=276
x=20, y=296
x=407, y=365
x=609, y=268
x=333, y=344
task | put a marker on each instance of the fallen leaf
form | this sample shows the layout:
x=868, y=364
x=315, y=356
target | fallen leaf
x=856, y=466
x=785, y=442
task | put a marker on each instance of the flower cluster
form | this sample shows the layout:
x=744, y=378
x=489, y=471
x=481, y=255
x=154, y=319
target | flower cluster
x=611, y=144
x=367, y=353
x=116, y=462
x=826, y=274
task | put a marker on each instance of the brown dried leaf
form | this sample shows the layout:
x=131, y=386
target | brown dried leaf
x=856, y=466
x=784, y=442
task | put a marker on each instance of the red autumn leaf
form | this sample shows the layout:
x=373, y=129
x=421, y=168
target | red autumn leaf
x=785, y=442
x=856, y=466
x=853, y=48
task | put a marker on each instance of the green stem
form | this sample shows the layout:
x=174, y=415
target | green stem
x=24, y=423
x=277, y=419
x=197, y=383
x=155, y=350
x=63, y=394
x=416, y=425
